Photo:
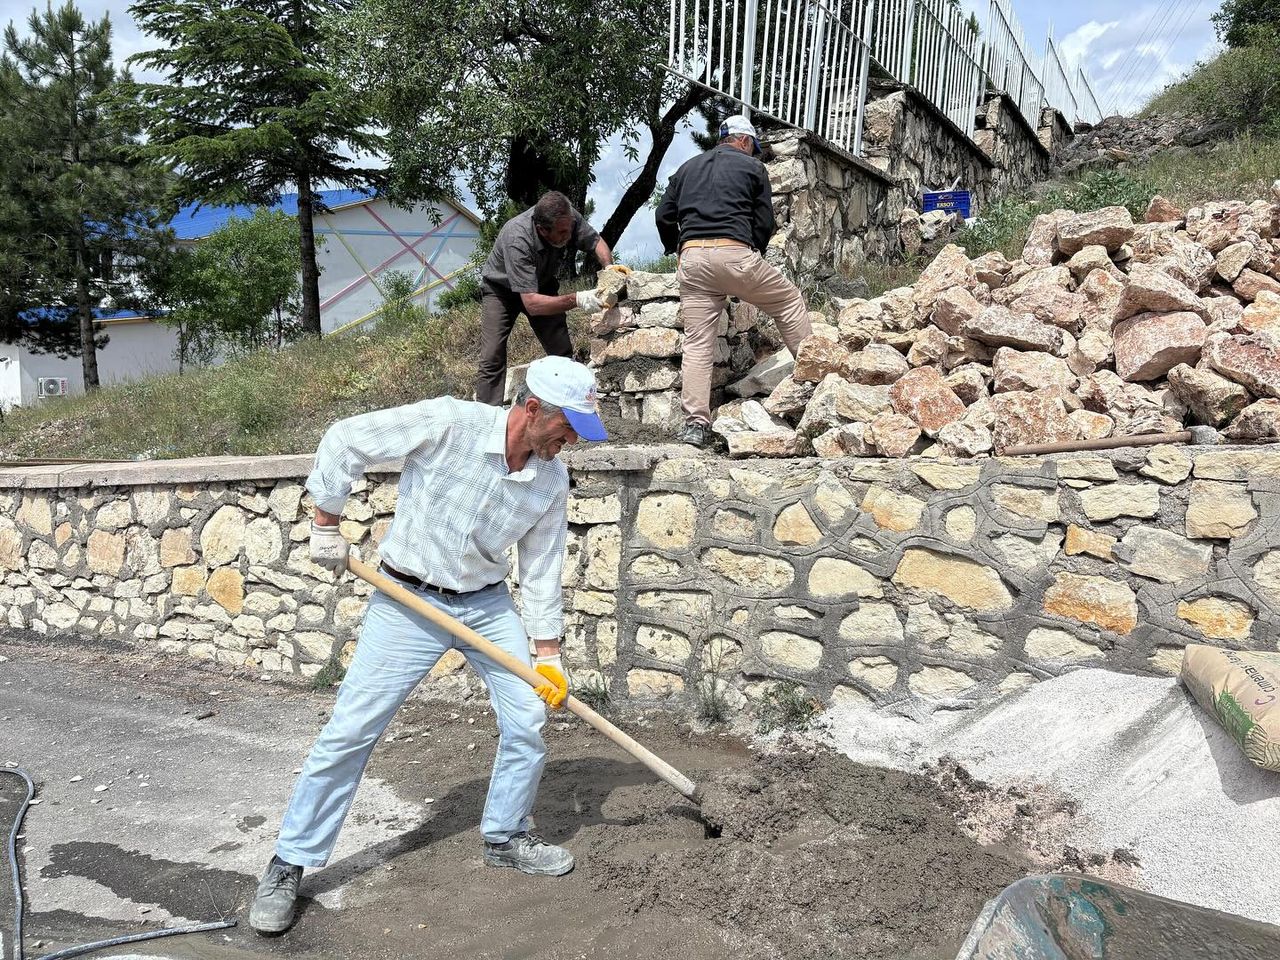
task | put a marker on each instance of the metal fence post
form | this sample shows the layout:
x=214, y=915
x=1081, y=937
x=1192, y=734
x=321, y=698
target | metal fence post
x=748, y=56
x=816, y=64
x=908, y=38
x=860, y=108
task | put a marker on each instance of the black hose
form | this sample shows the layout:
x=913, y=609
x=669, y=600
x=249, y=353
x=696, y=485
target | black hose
x=88, y=947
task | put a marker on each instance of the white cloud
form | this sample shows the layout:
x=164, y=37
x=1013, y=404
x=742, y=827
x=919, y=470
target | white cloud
x=1076, y=44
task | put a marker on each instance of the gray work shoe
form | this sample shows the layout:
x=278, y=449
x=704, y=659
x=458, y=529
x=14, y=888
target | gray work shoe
x=529, y=853
x=695, y=433
x=276, y=900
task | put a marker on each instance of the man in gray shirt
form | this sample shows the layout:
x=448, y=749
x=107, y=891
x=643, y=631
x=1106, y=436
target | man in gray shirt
x=520, y=277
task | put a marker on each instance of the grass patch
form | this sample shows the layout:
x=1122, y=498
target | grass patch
x=330, y=675
x=269, y=402
x=1240, y=86
x=787, y=705
x=594, y=693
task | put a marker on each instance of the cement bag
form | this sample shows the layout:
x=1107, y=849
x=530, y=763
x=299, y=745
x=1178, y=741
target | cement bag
x=1242, y=689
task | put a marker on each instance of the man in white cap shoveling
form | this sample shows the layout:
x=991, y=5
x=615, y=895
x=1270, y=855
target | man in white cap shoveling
x=717, y=213
x=477, y=480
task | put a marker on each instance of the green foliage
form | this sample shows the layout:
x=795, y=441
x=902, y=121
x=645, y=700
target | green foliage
x=237, y=291
x=250, y=108
x=330, y=675
x=1235, y=20
x=76, y=201
x=786, y=705
x=1243, y=169
x=1240, y=86
x=663, y=264
x=594, y=693
x=466, y=289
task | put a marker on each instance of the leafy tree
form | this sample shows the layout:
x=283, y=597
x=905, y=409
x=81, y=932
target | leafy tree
x=236, y=291
x=79, y=208
x=1234, y=21
x=251, y=109
x=518, y=98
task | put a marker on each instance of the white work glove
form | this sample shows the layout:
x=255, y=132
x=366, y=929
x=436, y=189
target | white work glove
x=329, y=548
x=588, y=301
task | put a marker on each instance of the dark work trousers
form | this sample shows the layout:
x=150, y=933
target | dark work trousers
x=498, y=312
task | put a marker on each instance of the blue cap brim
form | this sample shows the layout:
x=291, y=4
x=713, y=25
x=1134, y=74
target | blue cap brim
x=588, y=426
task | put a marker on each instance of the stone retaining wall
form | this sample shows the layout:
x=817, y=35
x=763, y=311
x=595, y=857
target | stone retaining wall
x=912, y=583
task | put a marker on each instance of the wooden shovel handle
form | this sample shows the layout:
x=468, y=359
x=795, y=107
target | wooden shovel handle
x=400, y=594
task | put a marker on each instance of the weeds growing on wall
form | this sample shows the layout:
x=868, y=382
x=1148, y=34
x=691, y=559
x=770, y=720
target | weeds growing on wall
x=594, y=692
x=330, y=675
x=787, y=705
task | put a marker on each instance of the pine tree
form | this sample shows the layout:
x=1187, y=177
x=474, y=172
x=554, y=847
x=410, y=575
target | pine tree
x=250, y=110
x=79, y=206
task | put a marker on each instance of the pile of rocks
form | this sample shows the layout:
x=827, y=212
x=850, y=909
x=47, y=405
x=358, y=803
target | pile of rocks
x=636, y=348
x=1103, y=327
x=1119, y=139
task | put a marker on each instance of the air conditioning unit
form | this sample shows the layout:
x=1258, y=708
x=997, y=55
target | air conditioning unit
x=51, y=386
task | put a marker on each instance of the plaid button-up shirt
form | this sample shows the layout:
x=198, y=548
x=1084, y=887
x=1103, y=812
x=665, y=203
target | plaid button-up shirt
x=460, y=508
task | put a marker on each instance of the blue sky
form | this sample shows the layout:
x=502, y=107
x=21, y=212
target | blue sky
x=1129, y=50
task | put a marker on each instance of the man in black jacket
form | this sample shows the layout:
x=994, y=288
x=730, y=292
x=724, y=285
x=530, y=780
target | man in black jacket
x=717, y=213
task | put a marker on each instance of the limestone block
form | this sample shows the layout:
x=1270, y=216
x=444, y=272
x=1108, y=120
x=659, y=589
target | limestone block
x=969, y=382
x=1236, y=464
x=226, y=588
x=795, y=525
x=924, y=397
x=753, y=484
x=667, y=520
x=284, y=501
x=114, y=515
x=894, y=511
x=1163, y=555
x=1218, y=618
x=893, y=434
x=991, y=268
x=1088, y=259
x=1025, y=370
x=747, y=444
x=947, y=476
x=1033, y=502
x=965, y=438
x=790, y=650
x=848, y=440
x=1109, y=227
x=1121, y=500
x=595, y=602
x=664, y=644
x=880, y=673
x=604, y=554
x=1266, y=576
x=964, y=582
x=876, y=364
x=262, y=541
x=1090, y=425
x=747, y=569
x=1025, y=554
x=832, y=499
x=940, y=682
x=953, y=309
x=961, y=524
x=969, y=641
x=1258, y=421
x=653, y=684
x=1167, y=463
x=831, y=577
x=872, y=624
x=1053, y=305
x=734, y=525
x=1151, y=290
x=188, y=581
x=41, y=556
x=860, y=402
x=1219, y=510
x=1263, y=315
x=175, y=547
x=105, y=552
x=1107, y=603
x=36, y=515
x=1085, y=468
x=654, y=342
x=1252, y=360
x=819, y=356
x=1022, y=418
x=607, y=642
x=997, y=326
x=1079, y=540
x=791, y=398
x=1250, y=284
x=1042, y=238
x=222, y=538
x=1047, y=643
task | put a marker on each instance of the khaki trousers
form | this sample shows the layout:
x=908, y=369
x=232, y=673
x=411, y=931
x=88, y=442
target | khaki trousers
x=708, y=277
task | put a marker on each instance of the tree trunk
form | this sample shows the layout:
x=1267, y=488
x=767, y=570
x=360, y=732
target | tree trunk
x=310, y=270
x=663, y=130
x=84, y=313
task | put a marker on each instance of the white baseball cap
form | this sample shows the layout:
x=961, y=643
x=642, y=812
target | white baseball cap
x=570, y=386
x=739, y=126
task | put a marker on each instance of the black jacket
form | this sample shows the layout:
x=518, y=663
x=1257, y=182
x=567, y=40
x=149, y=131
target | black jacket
x=720, y=193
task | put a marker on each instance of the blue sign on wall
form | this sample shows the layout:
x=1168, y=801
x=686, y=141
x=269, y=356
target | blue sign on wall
x=953, y=201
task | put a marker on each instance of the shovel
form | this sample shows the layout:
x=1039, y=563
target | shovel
x=686, y=787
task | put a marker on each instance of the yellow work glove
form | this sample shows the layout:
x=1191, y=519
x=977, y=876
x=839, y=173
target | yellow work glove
x=625, y=271
x=556, y=690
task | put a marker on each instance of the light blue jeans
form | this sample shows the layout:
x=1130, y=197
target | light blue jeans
x=397, y=648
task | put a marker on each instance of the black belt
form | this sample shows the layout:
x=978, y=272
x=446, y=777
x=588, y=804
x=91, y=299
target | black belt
x=423, y=585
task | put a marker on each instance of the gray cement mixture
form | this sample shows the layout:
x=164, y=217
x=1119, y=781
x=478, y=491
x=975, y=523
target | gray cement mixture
x=817, y=856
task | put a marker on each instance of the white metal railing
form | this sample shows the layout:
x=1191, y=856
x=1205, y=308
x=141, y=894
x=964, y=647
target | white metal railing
x=1086, y=101
x=1057, y=84
x=801, y=62
x=805, y=62
x=1008, y=63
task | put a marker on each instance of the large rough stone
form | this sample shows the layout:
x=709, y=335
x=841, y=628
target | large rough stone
x=654, y=342
x=1219, y=510
x=991, y=268
x=1149, y=345
x=965, y=439
x=790, y=650
x=765, y=375
x=35, y=514
x=947, y=476
x=997, y=326
x=222, y=538
x=1080, y=540
x=894, y=511
x=962, y=581
x=1234, y=258
x=226, y=587
x=1252, y=360
x=1167, y=463
x=950, y=268
x=1121, y=500
x=1046, y=643
x=1163, y=555
x=748, y=443
x=1218, y=618
x=1024, y=418
x=1161, y=210
x=1090, y=425
x=848, y=440
x=924, y=397
x=115, y=515
x=1250, y=284
x=1042, y=238
x=749, y=569
x=795, y=525
x=10, y=545
x=105, y=552
x=1258, y=421
x=969, y=382
x=175, y=548
x=872, y=625
x=1263, y=315
x=953, y=308
x=1032, y=502
x=1026, y=370
x=1211, y=398
x=876, y=364
x=1109, y=604
x=821, y=413
x=667, y=520
x=893, y=434
x=1153, y=291
x=819, y=356
x=832, y=578
x=1109, y=227
x=791, y=397
x=861, y=402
